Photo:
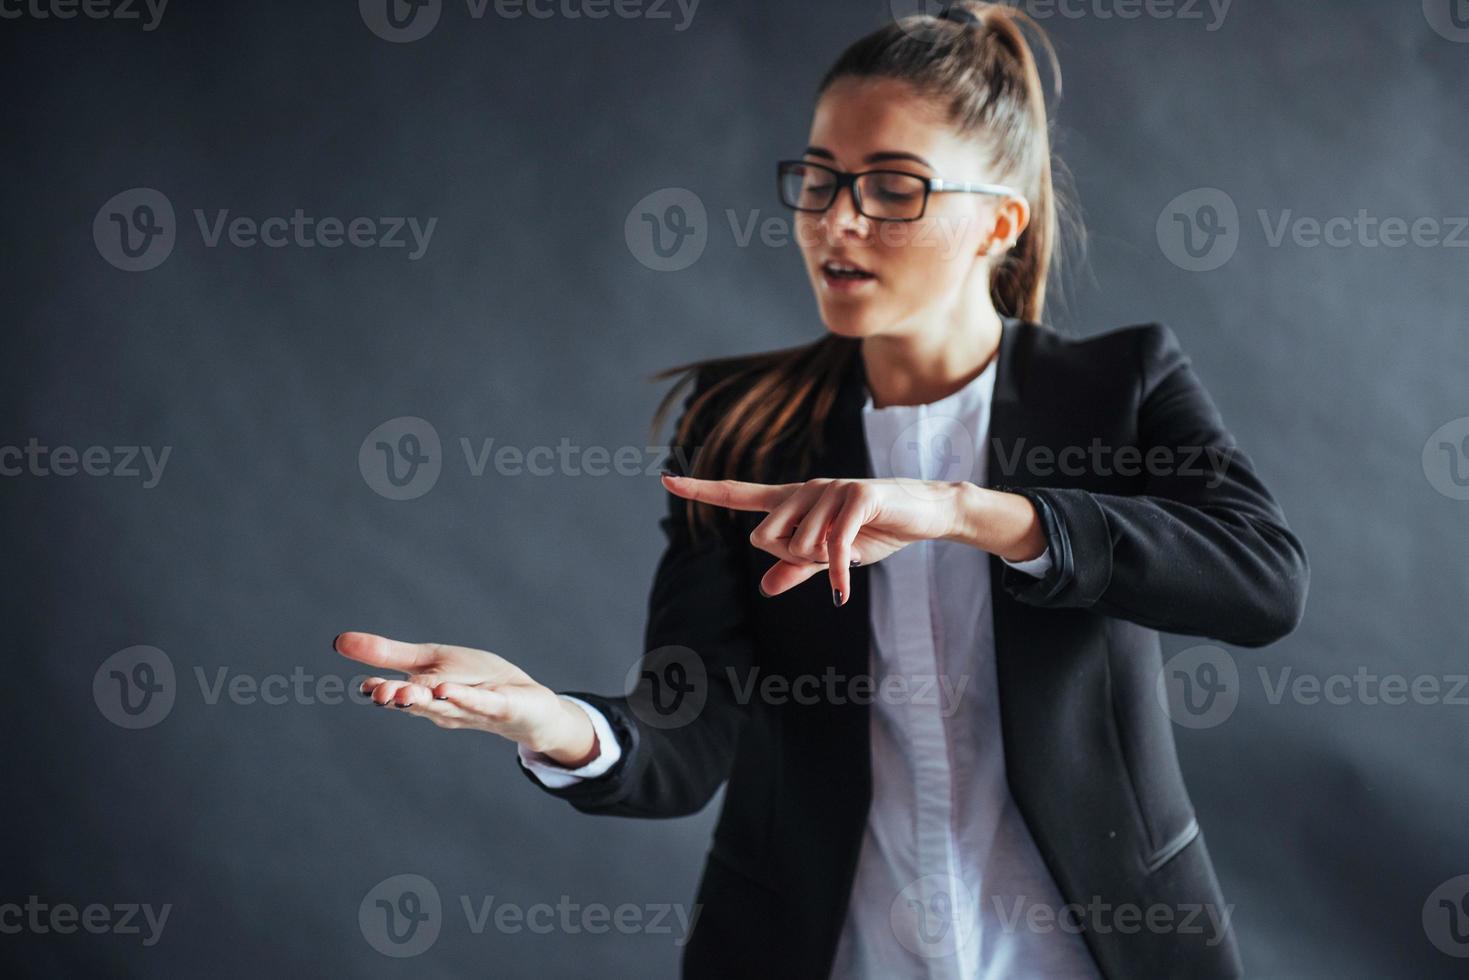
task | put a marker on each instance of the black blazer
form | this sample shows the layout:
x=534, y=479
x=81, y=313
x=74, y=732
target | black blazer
x=1089, y=751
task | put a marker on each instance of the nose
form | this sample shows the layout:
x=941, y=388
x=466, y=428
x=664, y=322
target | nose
x=843, y=218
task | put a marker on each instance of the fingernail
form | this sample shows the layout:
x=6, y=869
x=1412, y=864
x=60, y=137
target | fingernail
x=408, y=705
x=762, y=591
x=854, y=562
x=335, y=639
x=836, y=597
x=438, y=698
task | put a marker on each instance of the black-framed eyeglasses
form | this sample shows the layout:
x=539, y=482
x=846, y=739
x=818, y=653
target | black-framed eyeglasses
x=885, y=195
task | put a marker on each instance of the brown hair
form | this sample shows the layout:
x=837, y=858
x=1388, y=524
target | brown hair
x=973, y=58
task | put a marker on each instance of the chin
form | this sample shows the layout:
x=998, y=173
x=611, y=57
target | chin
x=850, y=319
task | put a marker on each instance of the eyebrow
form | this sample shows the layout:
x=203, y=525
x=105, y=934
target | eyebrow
x=880, y=157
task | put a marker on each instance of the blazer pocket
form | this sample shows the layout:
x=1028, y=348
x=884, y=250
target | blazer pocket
x=1149, y=757
x=1171, y=849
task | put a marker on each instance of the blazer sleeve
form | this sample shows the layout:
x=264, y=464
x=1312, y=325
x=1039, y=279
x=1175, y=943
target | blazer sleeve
x=1203, y=550
x=679, y=725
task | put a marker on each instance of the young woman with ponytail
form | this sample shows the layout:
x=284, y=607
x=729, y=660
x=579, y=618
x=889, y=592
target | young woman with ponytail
x=954, y=763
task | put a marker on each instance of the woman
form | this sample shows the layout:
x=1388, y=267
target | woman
x=957, y=766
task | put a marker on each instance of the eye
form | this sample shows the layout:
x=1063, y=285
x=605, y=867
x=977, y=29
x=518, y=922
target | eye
x=897, y=188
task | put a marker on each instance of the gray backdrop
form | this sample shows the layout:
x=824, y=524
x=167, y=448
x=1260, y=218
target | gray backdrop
x=531, y=315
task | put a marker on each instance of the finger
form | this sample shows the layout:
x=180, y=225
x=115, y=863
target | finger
x=809, y=540
x=386, y=693
x=411, y=694
x=785, y=575
x=475, y=700
x=370, y=684
x=440, y=712
x=774, y=533
x=380, y=651
x=733, y=494
x=840, y=538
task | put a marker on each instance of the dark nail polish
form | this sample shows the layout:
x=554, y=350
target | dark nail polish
x=437, y=698
x=762, y=591
x=836, y=597
x=855, y=562
x=334, y=641
x=409, y=705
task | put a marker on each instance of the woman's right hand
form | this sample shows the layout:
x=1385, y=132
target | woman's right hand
x=459, y=687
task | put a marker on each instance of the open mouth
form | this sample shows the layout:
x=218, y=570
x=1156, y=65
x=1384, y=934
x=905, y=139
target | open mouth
x=841, y=274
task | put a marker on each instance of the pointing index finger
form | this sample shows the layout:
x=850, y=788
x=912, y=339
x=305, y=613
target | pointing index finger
x=733, y=494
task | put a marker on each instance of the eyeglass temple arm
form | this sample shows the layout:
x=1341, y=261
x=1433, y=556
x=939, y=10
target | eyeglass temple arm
x=969, y=187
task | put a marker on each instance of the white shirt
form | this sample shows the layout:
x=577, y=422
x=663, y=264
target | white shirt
x=948, y=875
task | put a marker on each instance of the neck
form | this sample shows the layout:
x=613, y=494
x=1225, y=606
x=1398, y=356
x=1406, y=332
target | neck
x=929, y=363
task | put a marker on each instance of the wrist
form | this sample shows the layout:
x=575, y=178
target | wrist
x=1004, y=524
x=577, y=743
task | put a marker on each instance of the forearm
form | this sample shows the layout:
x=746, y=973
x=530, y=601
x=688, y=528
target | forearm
x=1233, y=573
x=1000, y=523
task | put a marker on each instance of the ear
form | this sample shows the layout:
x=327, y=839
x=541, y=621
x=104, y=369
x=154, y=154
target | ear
x=1012, y=216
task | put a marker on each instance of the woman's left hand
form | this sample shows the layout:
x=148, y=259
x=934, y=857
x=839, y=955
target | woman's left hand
x=835, y=523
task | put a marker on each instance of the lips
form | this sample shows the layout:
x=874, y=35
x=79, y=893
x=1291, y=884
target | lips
x=846, y=269
x=844, y=274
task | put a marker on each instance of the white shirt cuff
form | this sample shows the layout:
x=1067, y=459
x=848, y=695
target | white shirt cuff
x=1038, y=566
x=557, y=776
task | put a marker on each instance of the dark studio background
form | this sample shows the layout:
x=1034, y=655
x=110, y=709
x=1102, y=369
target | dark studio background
x=530, y=319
